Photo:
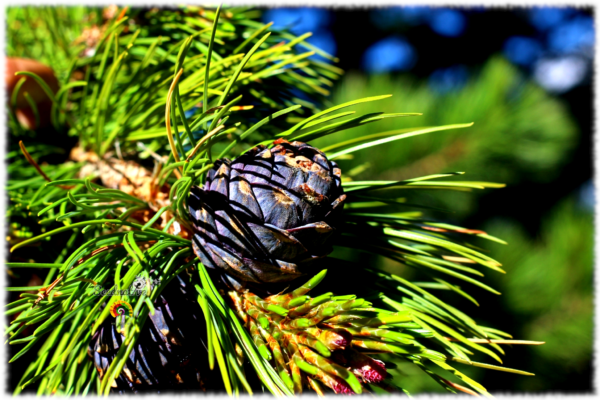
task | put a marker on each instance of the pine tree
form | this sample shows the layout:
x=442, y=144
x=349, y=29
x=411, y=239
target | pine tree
x=150, y=103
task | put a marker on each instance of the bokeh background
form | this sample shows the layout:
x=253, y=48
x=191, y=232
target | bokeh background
x=523, y=76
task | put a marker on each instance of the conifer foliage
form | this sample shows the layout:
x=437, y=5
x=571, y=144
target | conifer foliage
x=154, y=284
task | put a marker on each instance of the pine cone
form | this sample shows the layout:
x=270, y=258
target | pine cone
x=265, y=216
x=169, y=355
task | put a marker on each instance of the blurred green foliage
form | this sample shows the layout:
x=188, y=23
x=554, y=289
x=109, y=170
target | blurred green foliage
x=46, y=34
x=548, y=292
x=521, y=135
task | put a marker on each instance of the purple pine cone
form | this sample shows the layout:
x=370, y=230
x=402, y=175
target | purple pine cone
x=265, y=216
x=170, y=353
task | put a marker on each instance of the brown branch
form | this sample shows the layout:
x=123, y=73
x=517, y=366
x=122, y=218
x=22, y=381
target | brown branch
x=37, y=167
